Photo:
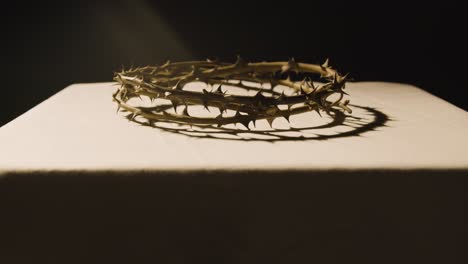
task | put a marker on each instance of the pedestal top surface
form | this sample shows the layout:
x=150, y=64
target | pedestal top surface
x=401, y=127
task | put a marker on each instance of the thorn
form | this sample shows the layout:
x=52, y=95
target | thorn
x=303, y=81
x=344, y=77
x=205, y=105
x=304, y=92
x=185, y=112
x=131, y=116
x=222, y=109
x=270, y=121
x=344, y=105
x=282, y=96
x=118, y=108
x=259, y=96
x=319, y=89
x=119, y=77
x=286, y=115
x=325, y=64
x=335, y=78
x=291, y=66
x=273, y=84
x=177, y=86
x=219, y=90
x=175, y=103
x=347, y=109
x=318, y=111
x=311, y=84
x=245, y=123
x=219, y=118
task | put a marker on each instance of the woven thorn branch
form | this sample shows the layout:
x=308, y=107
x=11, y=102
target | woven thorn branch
x=276, y=95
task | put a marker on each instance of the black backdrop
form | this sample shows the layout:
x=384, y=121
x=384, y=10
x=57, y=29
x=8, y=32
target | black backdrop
x=49, y=45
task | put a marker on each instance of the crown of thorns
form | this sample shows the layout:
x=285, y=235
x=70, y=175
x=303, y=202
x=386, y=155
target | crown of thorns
x=266, y=91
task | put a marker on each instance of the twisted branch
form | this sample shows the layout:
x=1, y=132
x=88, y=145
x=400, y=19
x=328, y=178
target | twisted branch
x=168, y=82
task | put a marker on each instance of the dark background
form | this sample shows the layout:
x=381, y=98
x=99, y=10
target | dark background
x=47, y=46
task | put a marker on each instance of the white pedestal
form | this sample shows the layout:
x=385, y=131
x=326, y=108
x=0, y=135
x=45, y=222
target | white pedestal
x=78, y=129
x=80, y=184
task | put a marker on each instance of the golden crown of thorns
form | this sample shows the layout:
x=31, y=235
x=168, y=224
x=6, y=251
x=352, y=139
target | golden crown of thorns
x=266, y=91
